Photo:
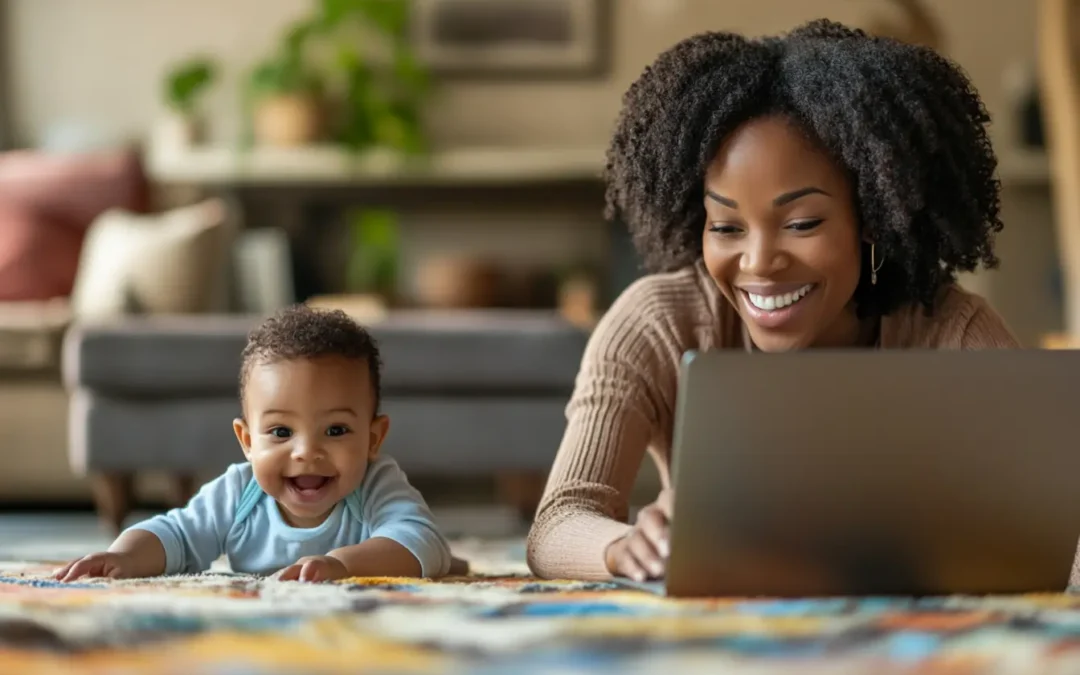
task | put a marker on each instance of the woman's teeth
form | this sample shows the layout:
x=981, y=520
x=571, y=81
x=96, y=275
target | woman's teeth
x=772, y=302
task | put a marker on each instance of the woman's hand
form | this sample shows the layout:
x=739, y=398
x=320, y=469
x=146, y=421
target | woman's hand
x=642, y=554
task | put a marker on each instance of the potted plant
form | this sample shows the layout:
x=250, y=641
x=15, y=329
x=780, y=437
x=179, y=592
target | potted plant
x=346, y=71
x=382, y=84
x=285, y=95
x=184, y=87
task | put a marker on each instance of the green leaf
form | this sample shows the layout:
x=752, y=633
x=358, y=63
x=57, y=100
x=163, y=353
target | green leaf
x=373, y=256
x=391, y=16
x=410, y=72
x=336, y=12
x=284, y=75
x=297, y=36
x=185, y=81
x=349, y=59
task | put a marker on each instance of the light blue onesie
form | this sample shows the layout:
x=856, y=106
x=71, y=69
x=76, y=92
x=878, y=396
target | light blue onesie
x=232, y=515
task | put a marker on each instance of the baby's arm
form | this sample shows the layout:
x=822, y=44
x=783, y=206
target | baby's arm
x=134, y=554
x=193, y=537
x=184, y=540
x=404, y=540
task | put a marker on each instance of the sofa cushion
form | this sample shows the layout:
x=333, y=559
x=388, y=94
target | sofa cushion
x=162, y=263
x=74, y=188
x=30, y=335
x=39, y=254
x=467, y=352
x=47, y=202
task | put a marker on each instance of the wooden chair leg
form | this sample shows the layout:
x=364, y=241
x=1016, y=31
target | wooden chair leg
x=113, y=493
x=521, y=490
x=182, y=489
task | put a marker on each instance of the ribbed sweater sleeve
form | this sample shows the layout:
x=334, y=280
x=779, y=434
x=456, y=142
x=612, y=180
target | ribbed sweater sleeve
x=986, y=329
x=623, y=400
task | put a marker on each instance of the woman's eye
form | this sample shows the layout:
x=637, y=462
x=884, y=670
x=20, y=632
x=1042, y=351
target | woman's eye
x=337, y=430
x=805, y=225
x=281, y=432
x=721, y=228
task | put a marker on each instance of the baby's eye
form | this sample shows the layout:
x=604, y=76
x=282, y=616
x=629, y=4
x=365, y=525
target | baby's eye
x=281, y=432
x=337, y=430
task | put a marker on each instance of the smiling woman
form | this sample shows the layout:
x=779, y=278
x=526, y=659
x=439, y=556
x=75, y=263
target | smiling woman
x=782, y=238
x=818, y=189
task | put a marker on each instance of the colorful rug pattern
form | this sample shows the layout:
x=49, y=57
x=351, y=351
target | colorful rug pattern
x=220, y=624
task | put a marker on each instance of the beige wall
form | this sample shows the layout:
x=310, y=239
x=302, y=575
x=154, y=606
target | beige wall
x=98, y=62
x=5, y=113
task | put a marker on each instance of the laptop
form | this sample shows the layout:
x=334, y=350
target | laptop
x=841, y=473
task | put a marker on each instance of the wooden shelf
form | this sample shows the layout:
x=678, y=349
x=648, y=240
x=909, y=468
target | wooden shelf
x=332, y=165
x=327, y=164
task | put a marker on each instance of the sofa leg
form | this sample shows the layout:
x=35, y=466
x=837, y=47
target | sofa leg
x=112, y=497
x=521, y=490
x=182, y=489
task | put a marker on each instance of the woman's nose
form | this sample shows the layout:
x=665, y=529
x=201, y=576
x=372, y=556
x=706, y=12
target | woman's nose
x=762, y=257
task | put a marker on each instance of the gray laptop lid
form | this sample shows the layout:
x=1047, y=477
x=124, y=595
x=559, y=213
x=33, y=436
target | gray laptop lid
x=856, y=473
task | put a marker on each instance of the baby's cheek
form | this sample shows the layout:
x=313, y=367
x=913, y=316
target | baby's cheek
x=355, y=469
x=267, y=470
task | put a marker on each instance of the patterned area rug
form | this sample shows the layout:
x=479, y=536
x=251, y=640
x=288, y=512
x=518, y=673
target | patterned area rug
x=500, y=621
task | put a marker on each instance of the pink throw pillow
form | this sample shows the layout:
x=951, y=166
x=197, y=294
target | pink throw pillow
x=74, y=188
x=47, y=203
x=39, y=256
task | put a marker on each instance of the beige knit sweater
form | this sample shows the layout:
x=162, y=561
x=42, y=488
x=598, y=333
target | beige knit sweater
x=624, y=401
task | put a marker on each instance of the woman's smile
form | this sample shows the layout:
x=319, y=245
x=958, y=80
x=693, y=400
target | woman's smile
x=774, y=305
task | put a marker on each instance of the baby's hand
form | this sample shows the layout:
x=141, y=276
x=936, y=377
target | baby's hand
x=110, y=565
x=314, y=568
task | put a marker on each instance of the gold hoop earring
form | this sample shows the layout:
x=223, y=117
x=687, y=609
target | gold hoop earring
x=874, y=265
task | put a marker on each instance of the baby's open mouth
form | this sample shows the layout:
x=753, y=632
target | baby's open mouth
x=308, y=485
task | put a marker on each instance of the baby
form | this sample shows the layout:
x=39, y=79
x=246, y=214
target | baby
x=314, y=501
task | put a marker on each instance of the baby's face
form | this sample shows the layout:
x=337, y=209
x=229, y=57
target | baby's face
x=309, y=432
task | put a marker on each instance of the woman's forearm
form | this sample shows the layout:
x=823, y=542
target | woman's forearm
x=572, y=543
x=620, y=404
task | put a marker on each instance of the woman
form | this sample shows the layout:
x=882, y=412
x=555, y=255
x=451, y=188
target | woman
x=820, y=189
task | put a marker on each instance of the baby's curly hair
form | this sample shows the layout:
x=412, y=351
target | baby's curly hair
x=302, y=332
x=904, y=122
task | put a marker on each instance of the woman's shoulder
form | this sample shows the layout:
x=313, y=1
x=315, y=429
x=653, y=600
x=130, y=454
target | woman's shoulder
x=633, y=355
x=959, y=319
x=682, y=307
x=679, y=292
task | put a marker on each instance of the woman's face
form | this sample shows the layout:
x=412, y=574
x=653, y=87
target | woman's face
x=781, y=237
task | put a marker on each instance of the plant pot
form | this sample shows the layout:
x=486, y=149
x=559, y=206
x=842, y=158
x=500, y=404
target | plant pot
x=453, y=282
x=286, y=120
x=179, y=132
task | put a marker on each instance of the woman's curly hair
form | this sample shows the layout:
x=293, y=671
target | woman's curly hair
x=903, y=122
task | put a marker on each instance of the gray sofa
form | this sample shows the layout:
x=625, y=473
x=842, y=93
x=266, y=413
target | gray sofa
x=468, y=394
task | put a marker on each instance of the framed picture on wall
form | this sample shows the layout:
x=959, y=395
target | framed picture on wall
x=512, y=38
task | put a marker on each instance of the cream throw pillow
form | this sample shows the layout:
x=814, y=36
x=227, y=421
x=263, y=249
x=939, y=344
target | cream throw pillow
x=164, y=263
